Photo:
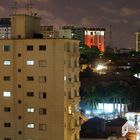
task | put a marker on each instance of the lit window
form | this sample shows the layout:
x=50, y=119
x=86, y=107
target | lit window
x=42, y=126
x=42, y=95
x=65, y=78
x=7, y=62
x=6, y=48
x=69, y=110
x=42, y=79
x=42, y=63
x=6, y=93
x=30, y=109
x=30, y=62
x=30, y=125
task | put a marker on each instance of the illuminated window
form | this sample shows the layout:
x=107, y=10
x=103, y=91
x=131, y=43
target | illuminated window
x=43, y=127
x=7, y=62
x=42, y=111
x=30, y=109
x=42, y=63
x=30, y=62
x=69, y=110
x=42, y=95
x=6, y=48
x=6, y=93
x=30, y=125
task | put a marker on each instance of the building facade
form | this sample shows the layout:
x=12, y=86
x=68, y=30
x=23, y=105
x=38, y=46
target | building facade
x=137, y=41
x=39, y=85
x=92, y=37
x=5, y=28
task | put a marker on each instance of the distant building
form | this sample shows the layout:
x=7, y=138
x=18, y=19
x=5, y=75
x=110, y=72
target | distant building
x=92, y=37
x=137, y=41
x=39, y=84
x=5, y=28
x=49, y=32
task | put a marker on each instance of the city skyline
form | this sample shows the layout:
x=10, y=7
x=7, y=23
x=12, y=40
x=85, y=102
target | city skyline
x=121, y=15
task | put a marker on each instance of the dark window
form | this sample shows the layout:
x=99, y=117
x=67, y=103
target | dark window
x=6, y=48
x=19, y=86
x=30, y=78
x=42, y=63
x=7, y=138
x=43, y=127
x=19, y=101
x=6, y=78
x=42, y=95
x=42, y=79
x=19, y=54
x=19, y=117
x=19, y=132
x=42, y=47
x=7, y=109
x=7, y=124
x=29, y=47
x=30, y=93
x=42, y=111
x=19, y=70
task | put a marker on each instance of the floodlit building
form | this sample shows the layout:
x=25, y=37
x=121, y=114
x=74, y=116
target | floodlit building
x=39, y=81
x=137, y=41
x=92, y=37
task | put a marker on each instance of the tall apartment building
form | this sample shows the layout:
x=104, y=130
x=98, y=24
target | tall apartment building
x=5, y=28
x=137, y=41
x=39, y=81
x=92, y=37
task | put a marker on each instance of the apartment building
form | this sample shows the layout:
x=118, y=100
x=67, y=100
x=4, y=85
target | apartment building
x=39, y=81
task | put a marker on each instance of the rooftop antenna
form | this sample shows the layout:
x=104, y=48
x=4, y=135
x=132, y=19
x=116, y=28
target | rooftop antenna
x=29, y=8
x=14, y=7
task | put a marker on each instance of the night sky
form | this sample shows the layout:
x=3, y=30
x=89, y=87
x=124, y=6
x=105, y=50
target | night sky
x=122, y=15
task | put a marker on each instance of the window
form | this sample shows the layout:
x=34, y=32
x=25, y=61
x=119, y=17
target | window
x=30, y=94
x=42, y=126
x=42, y=79
x=19, y=54
x=7, y=62
x=30, y=78
x=30, y=62
x=7, y=124
x=30, y=109
x=19, y=132
x=7, y=109
x=6, y=48
x=19, y=101
x=30, y=125
x=19, y=70
x=6, y=93
x=19, y=86
x=19, y=117
x=6, y=78
x=42, y=111
x=42, y=95
x=42, y=47
x=7, y=138
x=42, y=63
x=69, y=110
x=29, y=47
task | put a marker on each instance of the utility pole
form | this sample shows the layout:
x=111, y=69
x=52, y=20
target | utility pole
x=110, y=36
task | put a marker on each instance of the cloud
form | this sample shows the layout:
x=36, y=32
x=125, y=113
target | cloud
x=86, y=21
x=129, y=12
x=2, y=9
